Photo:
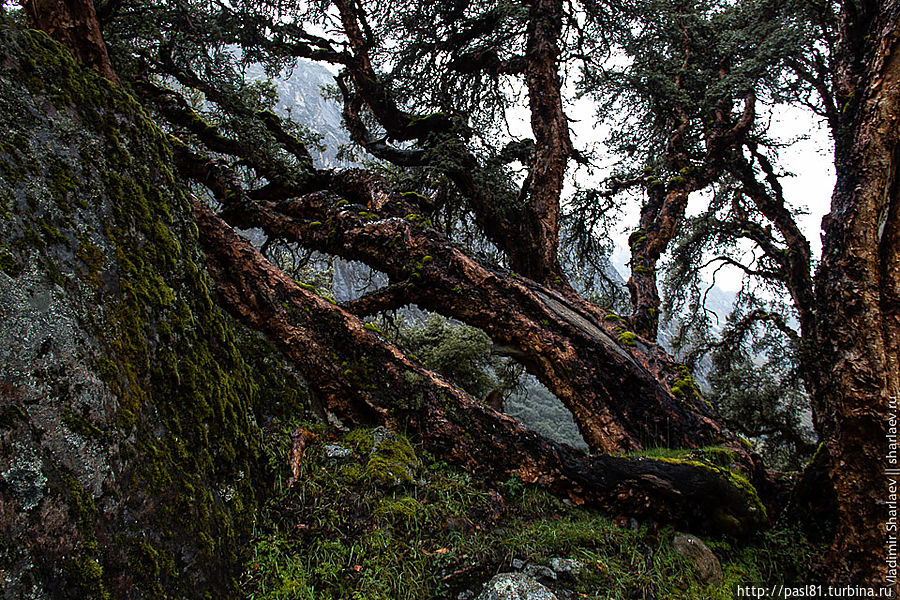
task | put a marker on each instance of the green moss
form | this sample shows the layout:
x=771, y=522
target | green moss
x=677, y=182
x=392, y=462
x=372, y=327
x=684, y=387
x=626, y=338
x=721, y=457
x=418, y=220
x=9, y=265
x=614, y=318
x=641, y=269
x=88, y=575
x=50, y=232
x=92, y=257
x=415, y=198
x=637, y=239
x=751, y=513
x=308, y=287
x=82, y=509
x=403, y=511
x=80, y=425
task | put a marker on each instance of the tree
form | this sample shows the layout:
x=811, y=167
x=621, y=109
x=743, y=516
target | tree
x=858, y=379
x=623, y=391
x=843, y=74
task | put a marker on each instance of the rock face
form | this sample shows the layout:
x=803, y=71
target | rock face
x=129, y=403
x=706, y=565
x=515, y=586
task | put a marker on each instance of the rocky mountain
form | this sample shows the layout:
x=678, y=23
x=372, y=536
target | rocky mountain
x=300, y=96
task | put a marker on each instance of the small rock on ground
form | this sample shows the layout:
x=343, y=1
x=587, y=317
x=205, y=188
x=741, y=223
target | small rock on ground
x=706, y=565
x=515, y=586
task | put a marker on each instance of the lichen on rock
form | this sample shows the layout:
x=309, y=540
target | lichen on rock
x=131, y=403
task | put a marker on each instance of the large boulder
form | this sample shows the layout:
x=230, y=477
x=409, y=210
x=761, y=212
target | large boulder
x=130, y=464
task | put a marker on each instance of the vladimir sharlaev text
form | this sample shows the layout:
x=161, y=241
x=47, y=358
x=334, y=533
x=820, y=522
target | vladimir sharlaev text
x=893, y=476
x=813, y=591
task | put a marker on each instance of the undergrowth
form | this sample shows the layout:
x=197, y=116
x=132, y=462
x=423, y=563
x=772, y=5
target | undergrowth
x=391, y=522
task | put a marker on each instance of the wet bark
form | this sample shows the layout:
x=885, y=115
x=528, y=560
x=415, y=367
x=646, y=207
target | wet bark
x=365, y=380
x=856, y=289
x=620, y=396
x=661, y=217
x=539, y=259
x=73, y=23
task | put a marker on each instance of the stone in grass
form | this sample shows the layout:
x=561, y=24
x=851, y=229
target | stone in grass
x=336, y=453
x=539, y=571
x=566, y=565
x=706, y=565
x=515, y=586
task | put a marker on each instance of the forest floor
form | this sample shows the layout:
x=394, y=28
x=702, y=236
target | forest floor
x=368, y=514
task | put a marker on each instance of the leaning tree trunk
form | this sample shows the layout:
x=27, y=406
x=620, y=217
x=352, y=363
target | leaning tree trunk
x=617, y=388
x=365, y=380
x=661, y=218
x=857, y=388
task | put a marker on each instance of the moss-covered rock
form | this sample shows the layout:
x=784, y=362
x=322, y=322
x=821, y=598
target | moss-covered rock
x=131, y=456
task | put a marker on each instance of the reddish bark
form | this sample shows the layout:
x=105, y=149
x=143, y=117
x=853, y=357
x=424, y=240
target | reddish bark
x=661, y=216
x=365, y=380
x=73, y=23
x=612, y=392
x=537, y=258
x=856, y=288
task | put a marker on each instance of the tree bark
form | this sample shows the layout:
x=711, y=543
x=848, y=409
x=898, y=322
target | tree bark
x=615, y=394
x=365, y=380
x=539, y=259
x=661, y=217
x=73, y=23
x=857, y=387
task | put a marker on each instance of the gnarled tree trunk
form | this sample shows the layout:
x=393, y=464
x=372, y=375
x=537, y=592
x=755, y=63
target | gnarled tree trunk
x=73, y=23
x=856, y=391
x=365, y=380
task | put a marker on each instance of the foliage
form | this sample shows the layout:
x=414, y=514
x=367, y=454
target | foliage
x=460, y=353
x=755, y=378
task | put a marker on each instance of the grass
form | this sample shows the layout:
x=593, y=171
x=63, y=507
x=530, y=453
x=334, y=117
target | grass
x=392, y=522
